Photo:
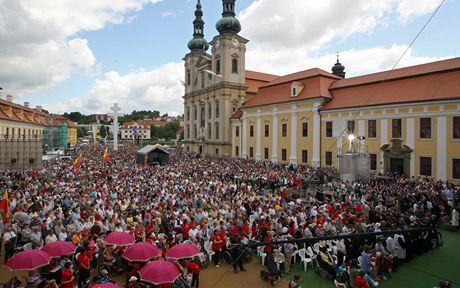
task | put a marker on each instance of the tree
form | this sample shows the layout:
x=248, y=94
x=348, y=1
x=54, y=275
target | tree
x=81, y=132
x=103, y=131
x=168, y=131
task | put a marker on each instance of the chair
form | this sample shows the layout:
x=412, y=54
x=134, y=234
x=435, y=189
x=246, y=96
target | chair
x=279, y=258
x=27, y=246
x=261, y=254
x=312, y=255
x=208, y=249
x=305, y=258
x=359, y=260
x=316, y=248
x=339, y=285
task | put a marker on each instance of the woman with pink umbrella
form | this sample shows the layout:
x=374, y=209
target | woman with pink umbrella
x=159, y=272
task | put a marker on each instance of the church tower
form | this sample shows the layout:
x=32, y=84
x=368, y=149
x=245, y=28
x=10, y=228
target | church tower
x=228, y=52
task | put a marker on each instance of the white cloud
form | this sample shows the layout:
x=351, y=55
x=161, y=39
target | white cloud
x=408, y=9
x=168, y=14
x=356, y=61
x=156, y=89
x=39, y=47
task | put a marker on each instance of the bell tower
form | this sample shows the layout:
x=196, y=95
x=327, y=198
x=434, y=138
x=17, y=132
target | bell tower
x=229, y=48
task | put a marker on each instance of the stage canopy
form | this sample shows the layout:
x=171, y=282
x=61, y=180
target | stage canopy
x=152, y=154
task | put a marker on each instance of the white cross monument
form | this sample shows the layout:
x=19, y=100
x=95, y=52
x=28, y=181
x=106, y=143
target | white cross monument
x=115, y=108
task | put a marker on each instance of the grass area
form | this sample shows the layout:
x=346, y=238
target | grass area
x=422, y=271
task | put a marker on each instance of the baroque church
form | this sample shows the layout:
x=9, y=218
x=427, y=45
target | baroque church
x=409, y=117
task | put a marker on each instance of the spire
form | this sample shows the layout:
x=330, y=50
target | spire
x=338, y=69
x=198, y=43
x=228, y=24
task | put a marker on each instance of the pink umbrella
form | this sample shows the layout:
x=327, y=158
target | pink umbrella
x=159, y=272
x=59, y=248
x=28, y=260
x=141, y=252
x=182, y=251
x=106, y=285
x=119, y=239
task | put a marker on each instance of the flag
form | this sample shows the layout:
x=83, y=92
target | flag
x=77, y=162
x=182, y=82
x=106, y=154
x=4, y=206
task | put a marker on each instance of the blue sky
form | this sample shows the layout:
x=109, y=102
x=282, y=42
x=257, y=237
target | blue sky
x=69, y=57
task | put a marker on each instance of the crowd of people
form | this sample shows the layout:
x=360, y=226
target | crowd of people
x=217, y=204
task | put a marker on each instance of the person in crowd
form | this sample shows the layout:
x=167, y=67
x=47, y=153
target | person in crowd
x=295, y=283
x=67, y=277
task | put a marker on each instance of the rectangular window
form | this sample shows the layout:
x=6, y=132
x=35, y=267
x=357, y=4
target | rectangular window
x=237, y=151
x=304, y=156
x=251, y=152
x=284, y=130
x=217, y=109
x=283, y=154
x=266, y=153
x=371, y=128
x=267, y=130
x=425, y=128
x=305, y=129
x=373, y=161
x=328, y=129
x=456, y=168
x=217, y=131
x=456, y=127
x=425, y=166
x=251, y=131
x=351, y=126
x=396, y=128
x=329, y=158
x=237, y=131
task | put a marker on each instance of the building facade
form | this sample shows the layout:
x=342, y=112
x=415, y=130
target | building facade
x=21, y=131
x=59, y=133
x=408, y=119
x=136, y=130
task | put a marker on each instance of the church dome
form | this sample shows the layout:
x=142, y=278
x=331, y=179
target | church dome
x=198, y=44
x=228, y=24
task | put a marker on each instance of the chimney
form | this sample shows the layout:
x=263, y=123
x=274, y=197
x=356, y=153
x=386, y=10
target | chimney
x=9, y=98
x=39, y=108
x=26, y=104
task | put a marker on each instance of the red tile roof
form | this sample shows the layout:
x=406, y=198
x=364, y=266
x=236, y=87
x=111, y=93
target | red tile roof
x=256, y=79
x=428, y=82
x=15, y=112
x=237, y=115
x=315, y=81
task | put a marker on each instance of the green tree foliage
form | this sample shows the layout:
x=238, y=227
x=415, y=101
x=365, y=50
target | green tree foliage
x=81, y=132
x=139, y=115
x=103, y=131
x=167, y=132
x=79, y=118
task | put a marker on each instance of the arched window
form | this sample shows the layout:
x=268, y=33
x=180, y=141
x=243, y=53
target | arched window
x=235, y=66
x=217, y=130
x=218, y=66
x=188, y=77
x=202, y=79
x=209, y=130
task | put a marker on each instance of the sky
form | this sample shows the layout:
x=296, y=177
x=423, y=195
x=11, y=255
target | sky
x=68, y=55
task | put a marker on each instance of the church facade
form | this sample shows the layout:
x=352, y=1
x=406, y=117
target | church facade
x=407, y=119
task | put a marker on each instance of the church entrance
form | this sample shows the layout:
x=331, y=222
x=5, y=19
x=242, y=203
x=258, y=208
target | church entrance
x=397, y=166
x=396, y=158
x=200, y=149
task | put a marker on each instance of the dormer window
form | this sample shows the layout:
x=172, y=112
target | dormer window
x=296, y=88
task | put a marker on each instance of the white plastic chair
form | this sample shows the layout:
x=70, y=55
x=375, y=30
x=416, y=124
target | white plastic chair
x=316, y=248
x=339, y=285
x=305, y=258
x=208, y=249
x=279, y=258
x=27, y=246
x=312, y=255
x=262, y=254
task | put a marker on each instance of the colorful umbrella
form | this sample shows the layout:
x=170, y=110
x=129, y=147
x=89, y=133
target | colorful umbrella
x=59, y=248
x=28, y=260
x=141, y=252
x=119, y=239
x=106, y=285
x=182, y=251
x=159, y=272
